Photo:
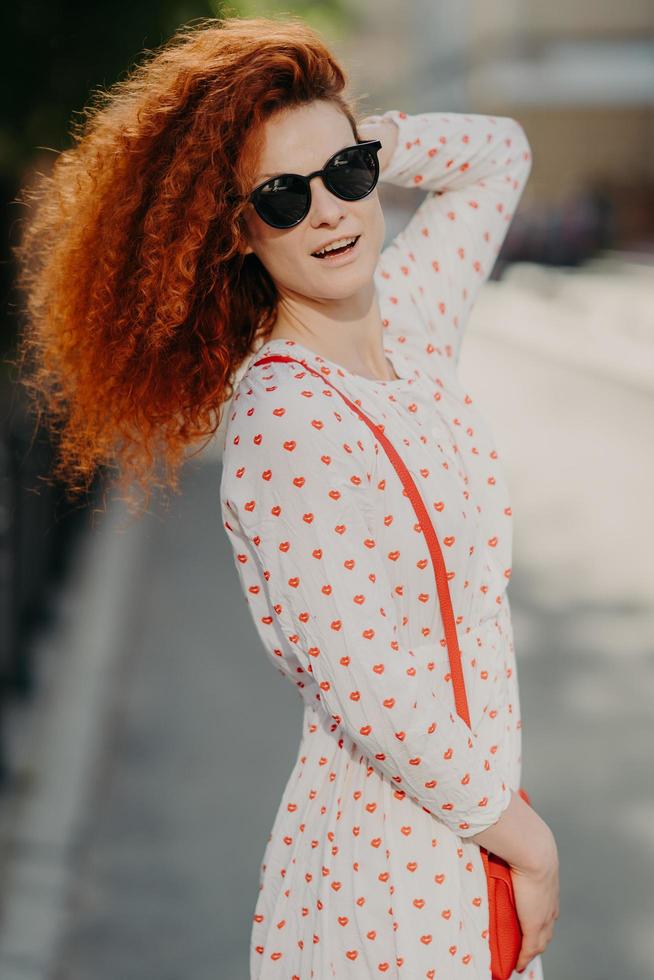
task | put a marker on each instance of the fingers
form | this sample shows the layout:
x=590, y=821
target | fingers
x=534, y=942
x=370, y=120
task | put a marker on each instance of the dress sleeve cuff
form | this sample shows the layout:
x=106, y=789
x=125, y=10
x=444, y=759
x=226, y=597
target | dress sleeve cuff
x=483, y=818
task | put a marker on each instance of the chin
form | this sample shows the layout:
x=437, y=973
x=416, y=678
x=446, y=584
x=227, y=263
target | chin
x=348, y=285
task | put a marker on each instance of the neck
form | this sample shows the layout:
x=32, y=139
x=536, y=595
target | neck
x=352, y=336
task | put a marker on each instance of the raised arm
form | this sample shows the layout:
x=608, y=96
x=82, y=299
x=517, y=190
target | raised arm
x=296, y=488
x=475, y=168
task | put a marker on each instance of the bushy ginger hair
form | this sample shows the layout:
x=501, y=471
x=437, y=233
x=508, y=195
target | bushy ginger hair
x=139, y=303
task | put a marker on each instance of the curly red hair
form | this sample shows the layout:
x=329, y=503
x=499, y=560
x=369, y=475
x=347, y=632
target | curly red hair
x=140, y=305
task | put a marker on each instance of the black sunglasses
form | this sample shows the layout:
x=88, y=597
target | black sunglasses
x=351, y=174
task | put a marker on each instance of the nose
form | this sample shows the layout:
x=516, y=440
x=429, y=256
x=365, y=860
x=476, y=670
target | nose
x=326, y=208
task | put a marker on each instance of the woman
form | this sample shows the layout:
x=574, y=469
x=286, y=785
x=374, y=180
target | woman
x=194, y=219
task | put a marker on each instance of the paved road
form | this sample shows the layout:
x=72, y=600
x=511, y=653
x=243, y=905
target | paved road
x=582, y=595
x=199, y=733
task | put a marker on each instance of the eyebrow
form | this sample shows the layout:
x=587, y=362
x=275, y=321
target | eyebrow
x=280, y=173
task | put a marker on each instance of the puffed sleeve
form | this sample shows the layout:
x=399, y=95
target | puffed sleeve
x=474, y=168
x=296, y=485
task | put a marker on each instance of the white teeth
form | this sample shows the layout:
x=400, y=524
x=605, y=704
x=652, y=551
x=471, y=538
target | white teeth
x=339, y=244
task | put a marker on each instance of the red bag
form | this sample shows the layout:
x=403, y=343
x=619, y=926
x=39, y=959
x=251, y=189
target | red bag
x=505, y=934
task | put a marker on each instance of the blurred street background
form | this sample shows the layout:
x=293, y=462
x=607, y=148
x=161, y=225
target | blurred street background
x=144, y=739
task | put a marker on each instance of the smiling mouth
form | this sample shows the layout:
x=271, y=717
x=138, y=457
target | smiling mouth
x=344, y=250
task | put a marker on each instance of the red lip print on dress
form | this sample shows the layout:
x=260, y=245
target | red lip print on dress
x=429, y=281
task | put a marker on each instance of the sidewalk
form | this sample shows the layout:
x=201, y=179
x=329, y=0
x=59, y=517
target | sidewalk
x=151, y=764
x=598, y=318
x=55, y=749
x=134, y=850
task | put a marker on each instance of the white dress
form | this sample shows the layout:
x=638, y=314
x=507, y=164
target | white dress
x=369, y=870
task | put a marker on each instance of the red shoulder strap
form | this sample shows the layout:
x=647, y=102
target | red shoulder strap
x=426, y=527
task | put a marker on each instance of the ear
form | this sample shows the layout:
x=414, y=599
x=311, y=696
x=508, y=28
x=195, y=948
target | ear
x=245, y=248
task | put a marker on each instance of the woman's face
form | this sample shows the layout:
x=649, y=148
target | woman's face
x=301, y=140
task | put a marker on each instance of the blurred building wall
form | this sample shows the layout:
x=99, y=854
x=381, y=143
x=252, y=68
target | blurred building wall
x=578, y=74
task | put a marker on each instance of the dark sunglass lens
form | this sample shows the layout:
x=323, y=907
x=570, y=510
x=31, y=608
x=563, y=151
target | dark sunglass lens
x=353, y=173
x=282, y=201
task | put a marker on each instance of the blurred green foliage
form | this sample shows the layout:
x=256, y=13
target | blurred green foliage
x=331, y=18
x=57, y=51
